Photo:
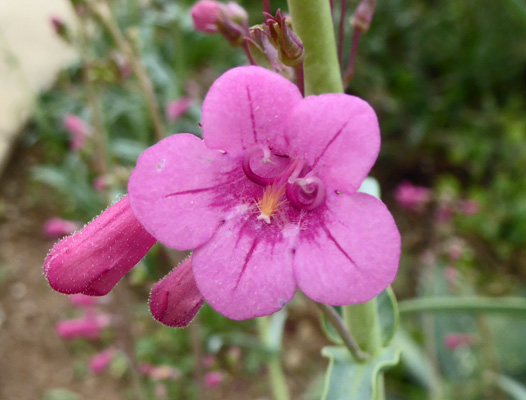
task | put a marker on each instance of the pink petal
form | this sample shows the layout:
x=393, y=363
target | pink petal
x=247, y=105
x=180, y=190
x=350, y=253
x=95, y=258
x=245, y=270
x=101, y=360
x=337, y=135
x=175, y=299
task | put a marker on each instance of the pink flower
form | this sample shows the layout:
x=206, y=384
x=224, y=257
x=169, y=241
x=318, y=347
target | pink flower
x=77, y=129
x=100, y=183
x=213, y=378
x=87, y=327
x=453, y=341
x=58, y=227
x=268, y=200
x=101, y=360
x=94, y=259
x=159, y=372
x=411, y=197
x=176, y=108
x=175, y=299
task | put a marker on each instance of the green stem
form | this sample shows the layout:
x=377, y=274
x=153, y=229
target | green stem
x=513, y=305
x=276, y=375
x=312, y=22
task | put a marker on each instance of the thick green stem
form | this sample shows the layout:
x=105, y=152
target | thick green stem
x=312, y=22
x=511, y=305
x=276, y=375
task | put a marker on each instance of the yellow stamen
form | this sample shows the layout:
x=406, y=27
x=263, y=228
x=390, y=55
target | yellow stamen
x=270, y=202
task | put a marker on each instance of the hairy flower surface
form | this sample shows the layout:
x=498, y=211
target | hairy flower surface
x=268, y=200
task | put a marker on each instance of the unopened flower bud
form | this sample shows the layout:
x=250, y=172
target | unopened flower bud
x=59, y=27
x=204, y=14
x=361, y=20
x=290, y=48
x=175, y=299
x=453, y=341
x=77, y=129
x=213, y=379
x=95, y=258
x=176, y=108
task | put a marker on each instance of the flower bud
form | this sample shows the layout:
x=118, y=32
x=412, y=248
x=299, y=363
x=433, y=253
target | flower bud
x=58, y=227
x=213, y=379
x=175, y=299
x=176, y=108
x=95, y=258
x=363, y=15
x=453, y=341
x=205, y=14
x=87, y=327
x=290, y=48
x=77, y=129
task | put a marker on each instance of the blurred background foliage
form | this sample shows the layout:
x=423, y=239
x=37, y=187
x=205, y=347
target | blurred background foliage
x=448, y=81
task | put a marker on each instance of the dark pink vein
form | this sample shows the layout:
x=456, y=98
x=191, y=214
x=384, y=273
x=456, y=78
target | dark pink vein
x=329, y=144
x=252, y=117
x=247, y=259
x=332, y=239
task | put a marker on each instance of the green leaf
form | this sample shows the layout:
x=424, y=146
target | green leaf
x=388, y=314
x=370, y=186
x=348, y=379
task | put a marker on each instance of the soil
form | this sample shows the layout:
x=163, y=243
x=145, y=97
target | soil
x=33, y=359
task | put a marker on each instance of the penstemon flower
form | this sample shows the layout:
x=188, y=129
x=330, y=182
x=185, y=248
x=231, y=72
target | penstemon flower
x=269, y=199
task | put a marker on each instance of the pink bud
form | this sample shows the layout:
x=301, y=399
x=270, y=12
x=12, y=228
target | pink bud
x=175, y=299
x=95, y=258
x=87, y=327
x=101, y=360
x=411, y=197
x=213, y=379
x=77, y=129
x=208, y=360
x=100, y=183
x=81, y=300
x=235, y=12
x=58, y=227
x=363, y=15
x=176, y=108
x=205, y=14
x=58, y=26
x=453, y=341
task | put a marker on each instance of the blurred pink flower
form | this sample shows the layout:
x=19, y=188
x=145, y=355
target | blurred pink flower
x=453, y=341
x=86, y=327
x=81, y=300
x=101, y=360
x=208, y=361
x=213, y=378
x=469, y=207
x=100, y=183
x=176, y=108
x=159, y=372
x=411, y=197
x=78, y=131
x=58, y=227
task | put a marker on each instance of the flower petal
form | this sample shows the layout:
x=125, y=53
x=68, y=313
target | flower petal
x=247, y=105
x=180, y=190
x=175, y=299
x=95, y=258
x=349, y=253
x=245, y=270
x=337, y=135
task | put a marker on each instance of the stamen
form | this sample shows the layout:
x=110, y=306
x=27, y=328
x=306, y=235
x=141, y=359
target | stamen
x=270, y=202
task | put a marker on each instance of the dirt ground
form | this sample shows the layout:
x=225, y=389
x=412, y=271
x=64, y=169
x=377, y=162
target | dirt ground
x=33, y=359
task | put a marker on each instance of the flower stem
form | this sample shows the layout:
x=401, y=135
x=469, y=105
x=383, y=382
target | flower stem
x=276, y=375
x=313, y=24
x=512, y=305
x=145, y=84
x=341, y=31
x=333, y=317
